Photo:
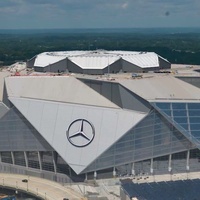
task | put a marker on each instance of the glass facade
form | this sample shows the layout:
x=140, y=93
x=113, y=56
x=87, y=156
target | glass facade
x=47, y=161
x=185, y=116
x=157, y=136
x=154, y=136
x=6, y=157
x=17, y=134
x=19, y=158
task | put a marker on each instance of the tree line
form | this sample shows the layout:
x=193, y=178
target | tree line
x=181, y=48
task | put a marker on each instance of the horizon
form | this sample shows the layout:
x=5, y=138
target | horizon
x=77, y=28
x=151, y=30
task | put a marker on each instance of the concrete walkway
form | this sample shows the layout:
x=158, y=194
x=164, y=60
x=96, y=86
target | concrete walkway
x=42, y=188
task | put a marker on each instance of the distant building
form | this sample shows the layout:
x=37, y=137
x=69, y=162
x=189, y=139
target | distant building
x=98, y=62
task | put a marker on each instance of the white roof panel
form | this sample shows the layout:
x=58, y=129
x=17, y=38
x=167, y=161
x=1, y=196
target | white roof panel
x=143, y=60
x=98, y=59
x=52, y=120
x=67, y=53
x=94, y=61
x=55, y=88
x=44, y=59
x=123, y=53
x=162, y=88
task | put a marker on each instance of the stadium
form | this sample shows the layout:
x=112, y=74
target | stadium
x=75, y=127
x=98, y=62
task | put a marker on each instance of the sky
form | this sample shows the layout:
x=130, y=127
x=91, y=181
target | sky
x=52, y=14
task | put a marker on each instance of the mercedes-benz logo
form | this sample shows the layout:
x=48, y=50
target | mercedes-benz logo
x=80, y=133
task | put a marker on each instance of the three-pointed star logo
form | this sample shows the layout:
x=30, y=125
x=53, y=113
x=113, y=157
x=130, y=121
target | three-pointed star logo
x=80, y=133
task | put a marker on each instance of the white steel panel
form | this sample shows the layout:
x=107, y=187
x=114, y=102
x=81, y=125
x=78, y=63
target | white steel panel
x=56, y=88
x=96, y=116
x=143, y=60
x=162, y=88
x=94, y=61
x=49, y=119
x=34, y=112
x=108, y=128
x=63, y=117
x=23, y=104
x=44, y=59
x=121, y=127
x=110, y=124
x=79, y=112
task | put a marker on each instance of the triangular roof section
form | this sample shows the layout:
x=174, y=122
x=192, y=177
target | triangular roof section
x=46, y=59
x=94, y=61
x=143, y=59
x=52, y=120
x=55, y=88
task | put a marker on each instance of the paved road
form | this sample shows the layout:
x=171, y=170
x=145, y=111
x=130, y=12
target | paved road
x=43, y=188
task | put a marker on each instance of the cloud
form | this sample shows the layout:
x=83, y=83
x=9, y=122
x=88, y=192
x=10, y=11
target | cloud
x=124, y=5
x=96, y=13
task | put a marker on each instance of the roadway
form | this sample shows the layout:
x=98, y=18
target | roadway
x=42, y=188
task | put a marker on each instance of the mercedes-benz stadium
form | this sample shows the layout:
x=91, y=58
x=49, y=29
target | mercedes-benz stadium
x=77, y=127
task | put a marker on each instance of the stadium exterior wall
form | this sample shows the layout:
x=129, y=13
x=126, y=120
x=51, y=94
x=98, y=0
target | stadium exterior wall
x=73, y=68
x=57, y=67
x=151, y=69
x=5, y=97
x=129, y=67
x=40, y=69
x=163, y=64
x=113, y=68
x=93, y=71
x=3, y=110
x=133, y=136
x=146, y=140
x=30, y=63
x=192, y=80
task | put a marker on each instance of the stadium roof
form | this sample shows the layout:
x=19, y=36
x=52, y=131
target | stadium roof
x=98, y=59
x=143, y=60
x=44, y=59
x=158, y=88
x=52, y=103
x=70, y=90
x=48, y=112
x=94, y=61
